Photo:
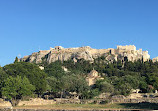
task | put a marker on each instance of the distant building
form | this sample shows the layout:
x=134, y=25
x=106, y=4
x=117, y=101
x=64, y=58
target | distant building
x=92, y=77
x=58, y=47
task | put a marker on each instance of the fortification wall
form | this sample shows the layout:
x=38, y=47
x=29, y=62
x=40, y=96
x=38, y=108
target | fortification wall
x=127, y=47
x=88, y=53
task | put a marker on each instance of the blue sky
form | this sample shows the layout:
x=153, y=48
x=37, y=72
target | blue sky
x=26, y=25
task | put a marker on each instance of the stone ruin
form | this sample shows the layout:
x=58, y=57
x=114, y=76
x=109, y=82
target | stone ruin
x=87, y=53
x=155, y=59
x=92, y=77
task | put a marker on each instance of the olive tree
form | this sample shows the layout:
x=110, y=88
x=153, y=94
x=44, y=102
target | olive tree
x=15, y=88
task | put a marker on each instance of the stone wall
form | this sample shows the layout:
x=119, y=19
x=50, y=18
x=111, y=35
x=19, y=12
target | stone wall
x=5, y=104
x=127, y=47
x=153, y=100
x=98, y=101
x=36, y=101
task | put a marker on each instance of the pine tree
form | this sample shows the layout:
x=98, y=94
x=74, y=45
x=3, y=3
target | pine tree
x=16, y=60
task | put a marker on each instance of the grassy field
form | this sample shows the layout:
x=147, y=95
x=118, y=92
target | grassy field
x=151, y=106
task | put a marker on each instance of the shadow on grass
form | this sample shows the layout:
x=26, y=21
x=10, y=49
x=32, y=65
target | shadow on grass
x=145, y=105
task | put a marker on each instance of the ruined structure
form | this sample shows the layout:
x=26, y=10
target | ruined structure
x=92, y=77
x=63, y=54
x=155, y=59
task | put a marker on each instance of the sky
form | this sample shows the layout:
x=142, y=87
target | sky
x=27, y=26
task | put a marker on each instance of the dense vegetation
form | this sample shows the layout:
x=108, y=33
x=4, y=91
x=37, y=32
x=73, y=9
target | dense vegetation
x=120, y=76
x=22, y=79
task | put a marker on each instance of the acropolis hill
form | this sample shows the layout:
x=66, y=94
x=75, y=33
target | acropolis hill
x=63, y=54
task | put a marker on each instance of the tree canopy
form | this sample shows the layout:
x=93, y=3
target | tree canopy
x=15, y=88
x=118, y=78
x=36, y=76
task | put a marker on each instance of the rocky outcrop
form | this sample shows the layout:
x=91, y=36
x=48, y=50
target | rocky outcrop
x=63, y=54
x=155, y=59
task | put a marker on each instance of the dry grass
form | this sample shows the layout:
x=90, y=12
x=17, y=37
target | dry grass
x=84, y=106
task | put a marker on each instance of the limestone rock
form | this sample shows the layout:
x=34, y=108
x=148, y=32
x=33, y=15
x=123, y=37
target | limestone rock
x=155, y=59
x=63, y=54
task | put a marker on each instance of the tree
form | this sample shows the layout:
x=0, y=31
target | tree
x=81, y=65
x=104, y=86
x=93, y=93
x=143, y=86
x=16, y=87
x=78, y=84
x=132, y=80
x=36, y=76
x=152, y=79
x=54, y=69
x=54, y=84
x=123, y=89
x=73, y=83
x=16, y=60
x=3, y=76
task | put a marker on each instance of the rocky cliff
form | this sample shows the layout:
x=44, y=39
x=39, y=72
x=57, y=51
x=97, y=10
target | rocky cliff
x=155, y=59
x=63, y=54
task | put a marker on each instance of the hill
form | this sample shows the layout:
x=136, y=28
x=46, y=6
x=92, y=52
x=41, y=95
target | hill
x=87, y=53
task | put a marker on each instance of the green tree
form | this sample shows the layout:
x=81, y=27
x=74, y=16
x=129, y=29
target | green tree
x=132, y=80
x=54, y=84
x=36, y=76
x=92, y=93
x=3, y=76
x=55, y=69
x=73, y=83
x=16, y=60
x=143, y=86
x=123, y=89
x=16, y=87
x=104, y=86
x=81, y=65
x=152, y=79
x=78, y=84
